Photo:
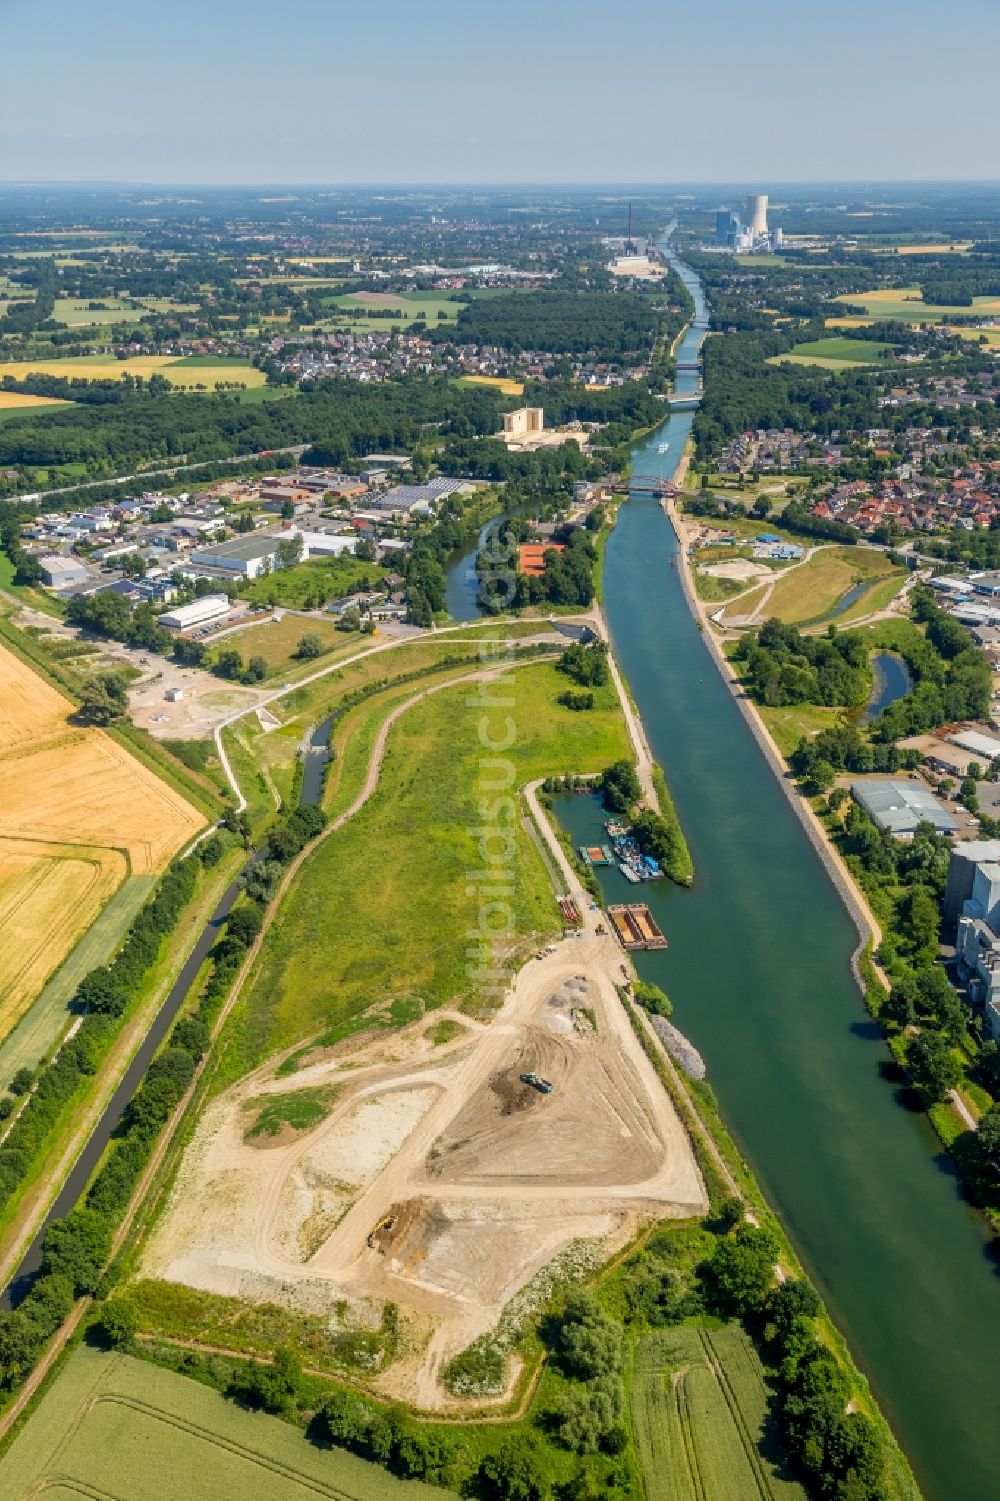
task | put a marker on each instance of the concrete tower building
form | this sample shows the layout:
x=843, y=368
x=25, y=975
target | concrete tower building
x=757, y=214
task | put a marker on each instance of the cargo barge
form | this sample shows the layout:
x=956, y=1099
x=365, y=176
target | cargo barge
x=636, y=927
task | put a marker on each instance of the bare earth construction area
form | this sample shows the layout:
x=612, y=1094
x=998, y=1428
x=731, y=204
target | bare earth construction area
x=439, y=1179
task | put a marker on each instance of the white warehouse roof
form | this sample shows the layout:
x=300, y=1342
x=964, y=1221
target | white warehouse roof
x=980, y=745
x=209, y=607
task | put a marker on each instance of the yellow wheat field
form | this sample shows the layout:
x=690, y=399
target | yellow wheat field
x=78, y=814
x=172, y=370
x=49, y=895
x=12, y=400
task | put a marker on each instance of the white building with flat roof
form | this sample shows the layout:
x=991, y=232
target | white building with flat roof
x=979, y=745
x=198, y=612
x=326, y=544
x=247, y=556
x=900, y=806
x=62, y=573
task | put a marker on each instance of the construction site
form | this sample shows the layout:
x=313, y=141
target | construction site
x=449, y=1168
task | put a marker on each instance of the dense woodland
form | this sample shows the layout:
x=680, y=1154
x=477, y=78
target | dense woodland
x=607, y=325
x=343, y=420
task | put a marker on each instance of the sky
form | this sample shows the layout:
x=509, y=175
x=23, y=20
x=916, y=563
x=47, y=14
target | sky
x=475, y=91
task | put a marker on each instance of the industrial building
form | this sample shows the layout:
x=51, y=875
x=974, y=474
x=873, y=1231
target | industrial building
x=726, y=223
x=900, y=806
x=524, y=420
x=406, y=498
x=965, y=856
x=246, y=556
x=751, y=234
x=198, y=612
x=327, y=544
x=977, y=944
x=984, y=746
x=62, y=573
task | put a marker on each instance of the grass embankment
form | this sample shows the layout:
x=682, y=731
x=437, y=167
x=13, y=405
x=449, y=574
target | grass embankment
x=298, y=1110
x=111, y=1425
x=680, y=866
x=810, y=593
x=382, y=907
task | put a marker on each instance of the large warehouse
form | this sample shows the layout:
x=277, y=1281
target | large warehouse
x=248, y=556
x=900, y=806
x=62, y=573
x=198, y=612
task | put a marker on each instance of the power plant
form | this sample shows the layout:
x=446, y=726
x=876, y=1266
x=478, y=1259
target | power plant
x=757, y=215
x=734, y=235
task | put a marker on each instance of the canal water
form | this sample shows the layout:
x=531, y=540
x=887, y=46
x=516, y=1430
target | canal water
x=462, y=582
x=892, y=681
x=758, y=970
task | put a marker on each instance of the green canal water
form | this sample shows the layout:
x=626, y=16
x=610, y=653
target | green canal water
x=758, y=971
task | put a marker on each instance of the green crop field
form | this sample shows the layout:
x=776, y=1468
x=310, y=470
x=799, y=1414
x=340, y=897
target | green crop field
x=75, y=313
x=699, y=1408
x=112, y=1426
x=834, y=353
x=31, y=411
x=382, y=907
x=409, y=305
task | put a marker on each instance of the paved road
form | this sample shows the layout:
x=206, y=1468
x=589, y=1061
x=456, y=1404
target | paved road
x=123, y=479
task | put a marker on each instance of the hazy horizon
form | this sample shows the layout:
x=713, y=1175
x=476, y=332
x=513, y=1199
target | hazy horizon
x=237, y=94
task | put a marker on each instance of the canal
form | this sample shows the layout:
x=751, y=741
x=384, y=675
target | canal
x=758, y=971
x=891, y=681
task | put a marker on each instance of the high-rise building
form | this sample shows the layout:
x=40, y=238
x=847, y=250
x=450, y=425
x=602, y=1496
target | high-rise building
x=726, y=224
x=757, y=214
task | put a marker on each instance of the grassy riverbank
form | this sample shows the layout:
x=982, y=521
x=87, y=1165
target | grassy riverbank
x=380, y=909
